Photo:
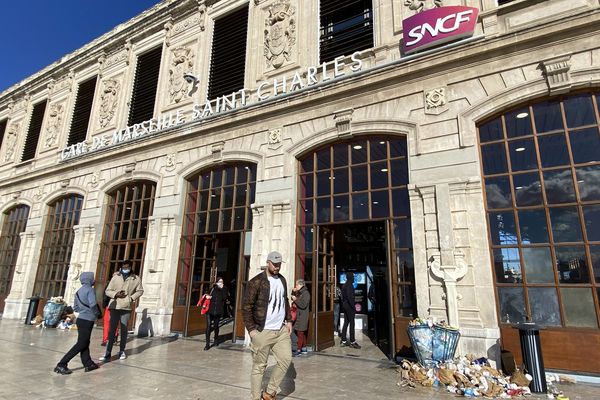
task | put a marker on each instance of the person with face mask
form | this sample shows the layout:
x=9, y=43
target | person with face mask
x=124, y=289
x=218, y=298
x=85, y=304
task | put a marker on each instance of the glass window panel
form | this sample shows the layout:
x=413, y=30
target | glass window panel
x=518, y=123
x=359, y=178
x=358, y=152
x=399, y=172
x=323, y=183
x=205, y=180
x=398, y=147
x=559, y=186
x=497, y=192
x=340, y=155
x=217, y=178
x=360, y=206
x=528, y=189
x=512, y=305
x=242, y=174
x=226, y=220
x=494, y=159
x=553, y=150
x=591, y=215
x=252, y=192
x=588, y=181
x=533, y=226
x=228, y=197
x=341, y=211
x=565, y=224
x=340, y=183
x=378, y=149
x=307, y=186
x=543, y=303
x=238, y=219
x=306, y=207
x=379, y=175
x=380, y=204
x=585, y=145
x=252, y=172
x=201, y=222
x=491, y=131
x=324, y=159
x=213, y=221
x=522, y=155
x=571, y=264
x=579, y=111
x=215, y=199
x=324, y=210
x=595, y=254
x=402, y=233
x=307, y=164
x=578, y=304
x=547, y=116
x=503, y=228
x=406, y=266
x=203, y=197
x=240, y=195
x=229, y=175
x=537, y=262
x=401, y=202
x=507, y=265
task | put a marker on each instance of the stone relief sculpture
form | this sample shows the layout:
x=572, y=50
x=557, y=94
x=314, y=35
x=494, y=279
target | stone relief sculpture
x=55, y=118
x=182, y=62
x=436, y=101
x=280, y=33
x=108, y=101
x=421, y=5
x=12, y=134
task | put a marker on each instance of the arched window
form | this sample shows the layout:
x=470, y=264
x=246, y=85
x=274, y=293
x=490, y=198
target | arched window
x=14, y=222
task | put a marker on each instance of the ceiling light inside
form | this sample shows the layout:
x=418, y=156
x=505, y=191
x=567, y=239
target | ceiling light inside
x=520, y=149
x=357, y=147
x=519, y=187
x=384, y=170
x=522, y=115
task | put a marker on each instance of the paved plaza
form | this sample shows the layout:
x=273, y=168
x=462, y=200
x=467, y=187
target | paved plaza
x=177, y=368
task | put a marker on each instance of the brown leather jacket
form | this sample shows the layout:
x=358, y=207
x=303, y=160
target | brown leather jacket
x=256, y=301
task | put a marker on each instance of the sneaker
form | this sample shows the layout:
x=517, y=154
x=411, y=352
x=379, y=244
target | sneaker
x=344, y=343
x=304, y=351
x=296, y=353
x=123, y=356
x=91, y=367
x=59, y=369
x=355, y=345
x=105, y=358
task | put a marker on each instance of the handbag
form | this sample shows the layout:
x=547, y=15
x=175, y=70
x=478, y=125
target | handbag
x=204, y=303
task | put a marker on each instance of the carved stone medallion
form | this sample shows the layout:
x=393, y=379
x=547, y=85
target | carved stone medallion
x=280, y=33
x=182, y=62
x=109, y=99
x=435, y=101
x=170, y=162
x=55, y=119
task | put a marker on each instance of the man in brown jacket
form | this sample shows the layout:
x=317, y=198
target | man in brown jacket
x=124, y=289
x=267, y=317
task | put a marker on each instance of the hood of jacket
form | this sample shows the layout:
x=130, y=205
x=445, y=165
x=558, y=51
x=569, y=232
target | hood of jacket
x=87, y=278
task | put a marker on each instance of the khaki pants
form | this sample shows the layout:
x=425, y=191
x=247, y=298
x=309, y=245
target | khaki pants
x=262, y=344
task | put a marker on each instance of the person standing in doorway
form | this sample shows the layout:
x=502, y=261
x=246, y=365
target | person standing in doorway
x=301, y=299
x=267, y=318
x=337, y=305
x=85, y=304
x=218, y=297
x=349, y=311
x=124, y=289
x=106, y=319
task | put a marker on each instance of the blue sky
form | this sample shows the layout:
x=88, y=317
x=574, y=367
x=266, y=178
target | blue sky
x=35, y=33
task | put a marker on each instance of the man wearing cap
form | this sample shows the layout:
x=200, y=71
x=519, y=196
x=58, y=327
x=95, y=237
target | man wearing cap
x=267, y=318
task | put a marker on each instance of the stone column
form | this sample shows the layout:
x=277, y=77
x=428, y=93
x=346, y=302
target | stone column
x=81, y=258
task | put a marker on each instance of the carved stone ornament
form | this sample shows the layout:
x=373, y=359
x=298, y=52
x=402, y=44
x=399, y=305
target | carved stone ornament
x=95, y=179
x=38, y=193
x=12, y=136
x=280, y=33
x=557, y=73
x=216, y=150
x=274, y=136
x=182, y=62
x=435, y=101
x=343, y=121
x=55, y=120
x=109, y=99
x=202, y=16
x=170, y=162
x=422, y=5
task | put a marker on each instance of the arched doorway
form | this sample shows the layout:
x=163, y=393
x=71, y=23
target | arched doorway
x=354, y=216
x=215, y=242
x=541, y=173
x=125, y=230
x=14, y=222
x=53, y=267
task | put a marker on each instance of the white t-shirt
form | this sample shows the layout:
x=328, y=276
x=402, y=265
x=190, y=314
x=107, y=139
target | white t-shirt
x=276, y=310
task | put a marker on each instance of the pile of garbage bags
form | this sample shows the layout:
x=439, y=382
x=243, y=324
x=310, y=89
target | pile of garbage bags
x=469, y=377
x=56, y=314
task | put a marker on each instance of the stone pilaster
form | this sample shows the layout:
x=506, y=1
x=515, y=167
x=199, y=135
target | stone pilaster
x=81, y=258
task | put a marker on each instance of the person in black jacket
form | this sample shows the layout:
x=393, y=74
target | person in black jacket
x=349, y=311
x=218, y=297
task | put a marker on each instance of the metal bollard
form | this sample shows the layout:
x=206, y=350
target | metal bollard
x=34, y=301
x=531, y=349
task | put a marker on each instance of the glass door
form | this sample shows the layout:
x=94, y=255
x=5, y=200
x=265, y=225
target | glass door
x=324, y=288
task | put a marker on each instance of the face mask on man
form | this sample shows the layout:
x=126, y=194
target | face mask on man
x=125, y=271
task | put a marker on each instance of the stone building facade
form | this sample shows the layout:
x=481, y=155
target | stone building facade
x=294, y=106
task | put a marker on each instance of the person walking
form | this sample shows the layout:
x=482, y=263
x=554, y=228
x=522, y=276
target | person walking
x=85, y=304
x=218, y=298
x=124, y=289
x=267, y=318
x=301, y=298
x=349, y=311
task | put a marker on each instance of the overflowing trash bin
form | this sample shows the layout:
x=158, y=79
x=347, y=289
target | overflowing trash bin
x=433, y=343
